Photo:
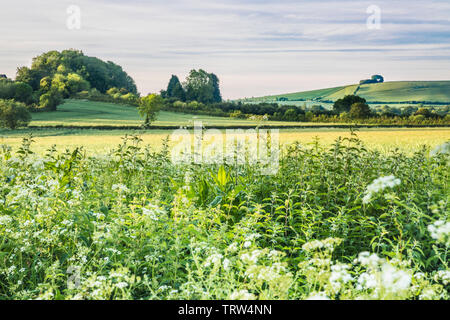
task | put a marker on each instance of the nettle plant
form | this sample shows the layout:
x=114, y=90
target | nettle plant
x=336, y=222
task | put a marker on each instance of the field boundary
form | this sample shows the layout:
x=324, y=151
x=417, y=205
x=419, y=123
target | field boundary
x=324, y=126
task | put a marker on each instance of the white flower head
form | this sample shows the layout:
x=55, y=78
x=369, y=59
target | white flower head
x=440, y=230
x=379, y=185
x=441, y=149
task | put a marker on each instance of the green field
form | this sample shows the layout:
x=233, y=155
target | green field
x=388, y=92
x=88, y=113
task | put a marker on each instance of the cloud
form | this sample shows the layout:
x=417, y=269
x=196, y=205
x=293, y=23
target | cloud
x=292, y=45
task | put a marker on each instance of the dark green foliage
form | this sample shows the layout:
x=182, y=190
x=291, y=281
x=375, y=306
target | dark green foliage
x=174, y=90
x=13, y=114
x=18, y=91
x=202, y=87
x=359, y=110
x=344, y=104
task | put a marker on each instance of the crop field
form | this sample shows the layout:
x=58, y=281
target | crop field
x=335, y=221
x=96, y=141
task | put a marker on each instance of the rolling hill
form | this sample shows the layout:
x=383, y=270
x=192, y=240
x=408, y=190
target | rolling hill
x=386, y=92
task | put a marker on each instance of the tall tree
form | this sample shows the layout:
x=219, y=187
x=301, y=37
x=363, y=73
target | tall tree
x=175, y=89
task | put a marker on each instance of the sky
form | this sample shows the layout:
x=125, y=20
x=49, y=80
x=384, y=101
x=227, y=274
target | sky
x=255, y=47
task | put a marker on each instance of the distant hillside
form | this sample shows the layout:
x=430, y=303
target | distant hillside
x=387, y=92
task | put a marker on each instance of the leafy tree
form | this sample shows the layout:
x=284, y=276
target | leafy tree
x=149, y=106
x=345, y=103
x=359, y=110
x=203, y=87
x=99, y=74
x=13, y=114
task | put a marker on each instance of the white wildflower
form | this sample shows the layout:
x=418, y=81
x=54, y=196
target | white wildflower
x=120, y=188
x=441, y=149
x=242, y=295
x=369, y=260
x=366, y=281
x=443, y=276
x=379, y=185
x=339, y=275
x=394, y=280
x=5, y=220
x=226, y=263
x=121, y=285
x=440, y=230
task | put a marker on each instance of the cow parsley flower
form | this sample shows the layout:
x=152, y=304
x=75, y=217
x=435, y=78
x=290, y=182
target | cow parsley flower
x=5, y=220
x=379, y=185
x=242, y=295
x=393, y=279
x=441, y=149
x=120, y=188
x=366, y=281
x=368, y=260
x=443, y=276
x=339, y=275
x=121, y=285
x=440, y=230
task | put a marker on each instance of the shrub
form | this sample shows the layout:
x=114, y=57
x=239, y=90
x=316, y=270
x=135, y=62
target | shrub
x=13, y=114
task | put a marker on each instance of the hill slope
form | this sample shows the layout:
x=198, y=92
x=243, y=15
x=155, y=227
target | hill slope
x=393, y=92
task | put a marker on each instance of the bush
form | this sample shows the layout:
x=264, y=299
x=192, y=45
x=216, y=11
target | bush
x=13, y=114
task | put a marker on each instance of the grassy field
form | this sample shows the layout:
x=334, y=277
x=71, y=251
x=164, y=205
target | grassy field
x=394, y=91
x=88, y=113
